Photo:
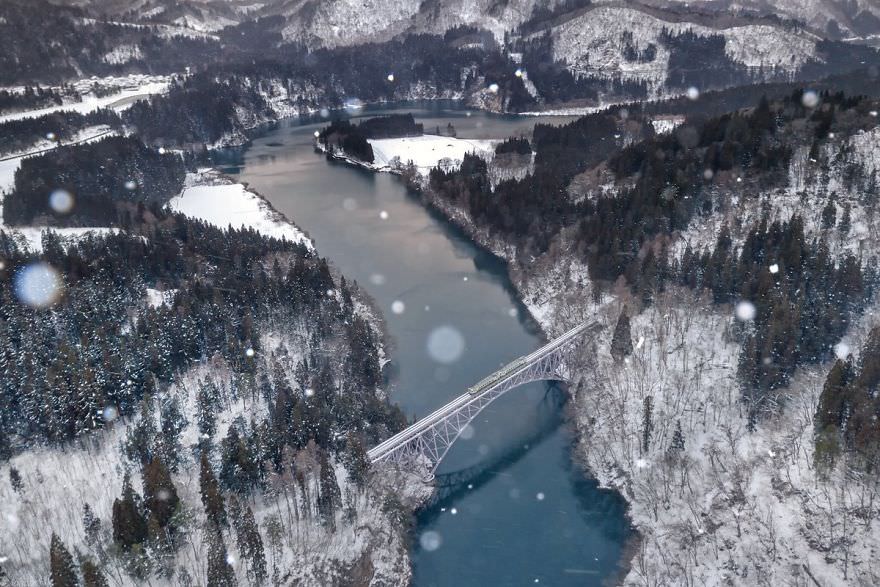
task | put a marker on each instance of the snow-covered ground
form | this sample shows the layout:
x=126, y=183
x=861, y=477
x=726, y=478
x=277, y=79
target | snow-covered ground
x=133, y=86
x=427, y=151
x=216, y=200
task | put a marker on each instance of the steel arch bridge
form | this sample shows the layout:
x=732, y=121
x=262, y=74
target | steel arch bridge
x=428, y=440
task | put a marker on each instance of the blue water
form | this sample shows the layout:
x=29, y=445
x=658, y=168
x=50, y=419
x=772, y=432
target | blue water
x=513, y=509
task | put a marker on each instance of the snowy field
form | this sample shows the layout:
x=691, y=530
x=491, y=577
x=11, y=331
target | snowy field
x=225, y=204
x=427, y=151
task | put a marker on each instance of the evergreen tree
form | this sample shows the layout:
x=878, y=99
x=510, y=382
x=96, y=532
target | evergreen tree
x=91, y=526
x=676, y=446
x=330, y=497
x=206, y=406
x=250, y=545
x=15, y=480
x=356, y=461
x=621, y=341
x=647, y=423
x=92, y=575
x=829, y=213
x=129, y=523
x=160, y=495
x=173, y=422
x=212, y=498
x=845, y=220
x=61, y=565
x=220, y=573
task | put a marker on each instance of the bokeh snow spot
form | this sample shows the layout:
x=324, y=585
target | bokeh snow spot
x=745, y=310
x=445, y=344
x=693, y=93
x=398, y=307
x=810, y=99
x=38, y=285
x=430, y=540
x=61, y=201
x=841, y=350
x=493, y=88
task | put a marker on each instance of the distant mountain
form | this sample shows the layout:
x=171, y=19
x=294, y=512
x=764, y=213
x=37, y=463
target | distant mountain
x=343, y=22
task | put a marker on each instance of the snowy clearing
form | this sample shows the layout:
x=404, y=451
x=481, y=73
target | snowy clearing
x=426, y=151
x=225, y=204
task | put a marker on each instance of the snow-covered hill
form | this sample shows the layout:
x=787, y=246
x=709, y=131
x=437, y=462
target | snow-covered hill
x=344, y=22
x=857, y=18
x=601, y=42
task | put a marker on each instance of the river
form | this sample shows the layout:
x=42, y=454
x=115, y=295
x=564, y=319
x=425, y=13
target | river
x=514, y=509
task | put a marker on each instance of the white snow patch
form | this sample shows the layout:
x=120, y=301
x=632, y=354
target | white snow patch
x=427, y=151
x=226, y=204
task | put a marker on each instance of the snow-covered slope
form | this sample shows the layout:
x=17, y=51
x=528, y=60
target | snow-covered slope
x=853, y=18
x=596, y=42
x=345, y=22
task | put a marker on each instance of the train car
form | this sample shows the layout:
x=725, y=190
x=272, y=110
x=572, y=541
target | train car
x=495, y=377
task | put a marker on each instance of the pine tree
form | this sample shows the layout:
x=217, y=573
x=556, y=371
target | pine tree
x=676, y=447
x=647, y=423
x=829, y=213
x=250, y=545
x=160, y=495
x=220, y=573
x=356, y=460
x=91, y=526
x=621, y=341
x=206, y=413
x=92, y=575
x=129, y=523
x=61, y=565
x=15, y=480
x=212, y=498
x=172, y=423
x=846, y=220
x=330, y=497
